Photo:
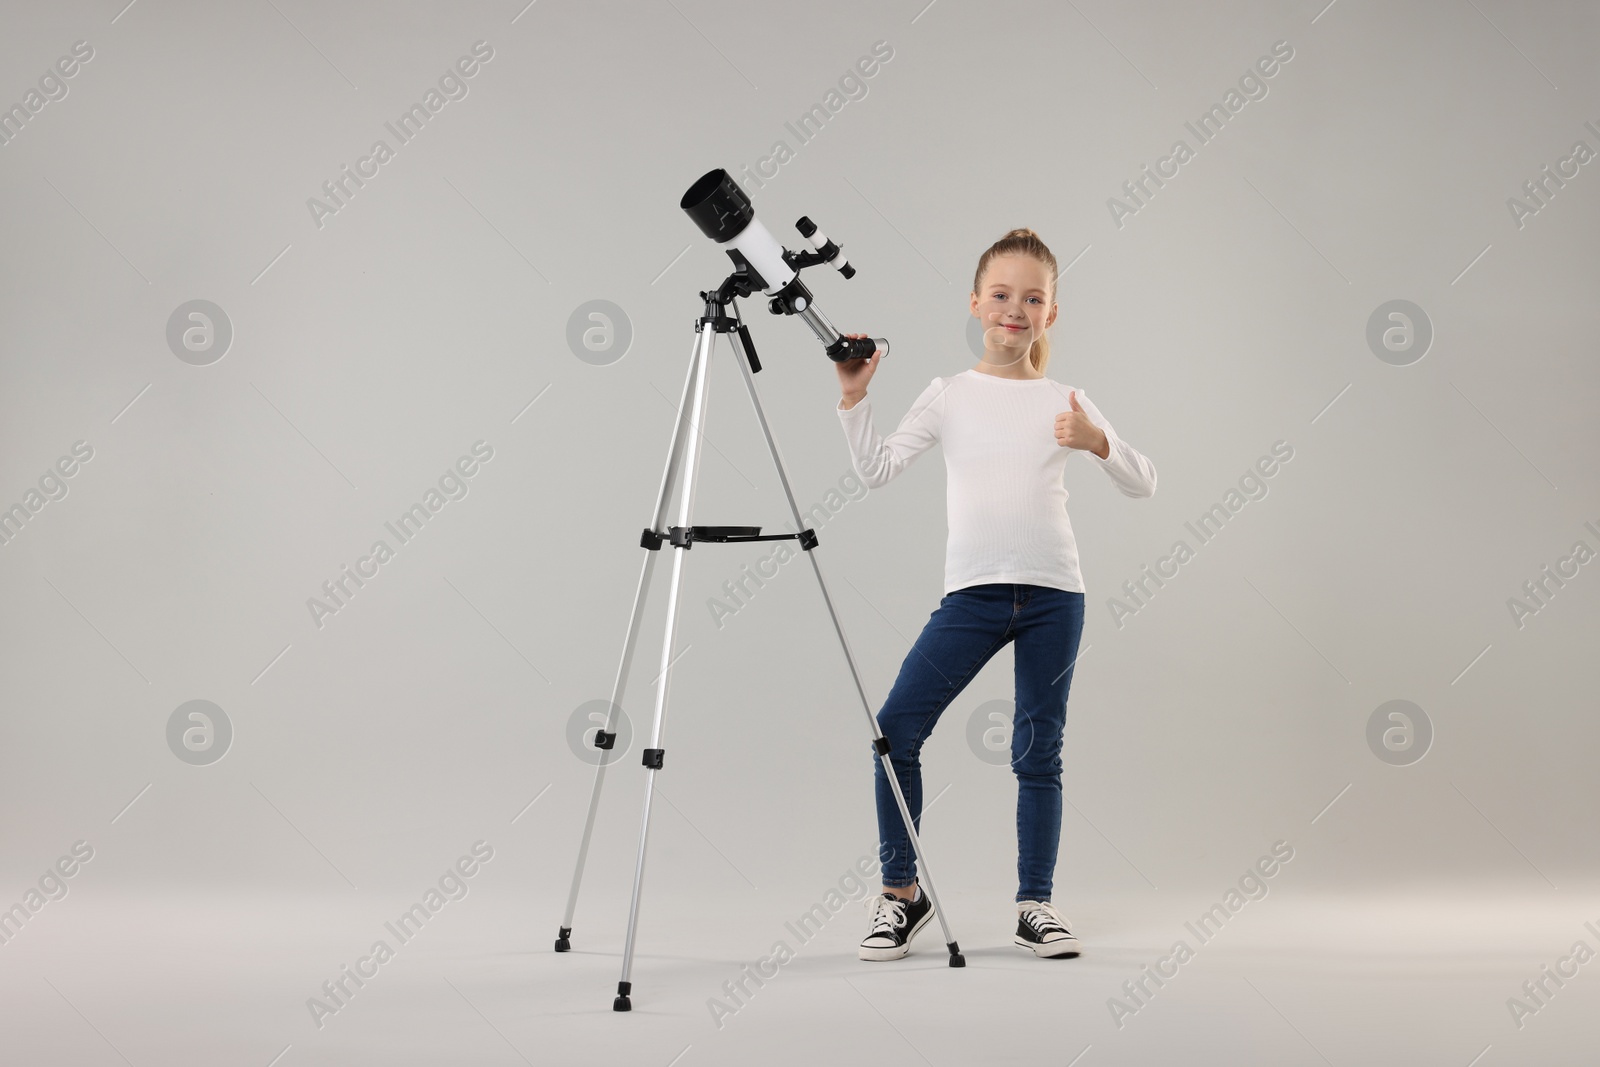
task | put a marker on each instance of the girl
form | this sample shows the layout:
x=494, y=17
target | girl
x=1011, y=573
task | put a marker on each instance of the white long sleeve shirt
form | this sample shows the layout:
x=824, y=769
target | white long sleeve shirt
x=1006, y=501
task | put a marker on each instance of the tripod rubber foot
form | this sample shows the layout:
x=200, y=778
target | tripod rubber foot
x=622, y=1003
x=956, y=958
x=562, y=944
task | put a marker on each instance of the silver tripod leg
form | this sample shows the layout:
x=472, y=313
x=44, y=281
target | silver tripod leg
x=668, y=479
x=878, y=740
x=653, y=754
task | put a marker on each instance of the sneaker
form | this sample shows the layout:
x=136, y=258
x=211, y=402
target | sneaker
x=894, y=923
x=1041, y=929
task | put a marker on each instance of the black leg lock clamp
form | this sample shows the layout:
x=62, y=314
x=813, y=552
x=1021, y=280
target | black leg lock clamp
x=881, y=744
x=605, y=739
x=653, y=758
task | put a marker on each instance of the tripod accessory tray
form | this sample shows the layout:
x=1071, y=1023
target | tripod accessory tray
x=686, y=536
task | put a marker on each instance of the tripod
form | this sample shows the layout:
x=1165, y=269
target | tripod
x=683, y=461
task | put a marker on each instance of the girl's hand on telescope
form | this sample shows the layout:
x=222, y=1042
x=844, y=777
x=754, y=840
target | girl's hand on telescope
x=1074, y=430
x=854, y=374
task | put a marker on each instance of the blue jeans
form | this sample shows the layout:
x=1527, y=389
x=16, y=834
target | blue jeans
x=963, y=633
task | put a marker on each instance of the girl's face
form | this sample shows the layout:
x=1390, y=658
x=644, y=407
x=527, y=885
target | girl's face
x=1014, y=306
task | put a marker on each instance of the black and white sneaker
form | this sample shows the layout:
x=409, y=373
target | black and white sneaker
x=1042, y=930
x=894, y=923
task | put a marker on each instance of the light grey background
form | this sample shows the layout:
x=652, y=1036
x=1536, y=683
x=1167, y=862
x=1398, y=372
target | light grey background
x=431, y=313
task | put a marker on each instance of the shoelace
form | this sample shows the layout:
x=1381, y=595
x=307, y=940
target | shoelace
x=888, y=914
x=1044, y=918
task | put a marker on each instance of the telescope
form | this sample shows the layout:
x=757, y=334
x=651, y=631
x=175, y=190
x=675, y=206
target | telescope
x=724, y=213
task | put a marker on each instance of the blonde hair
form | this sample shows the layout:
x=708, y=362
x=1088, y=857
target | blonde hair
x=1023, y=242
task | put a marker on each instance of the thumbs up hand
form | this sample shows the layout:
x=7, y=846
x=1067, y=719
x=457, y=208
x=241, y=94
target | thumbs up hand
x=1074, y=430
